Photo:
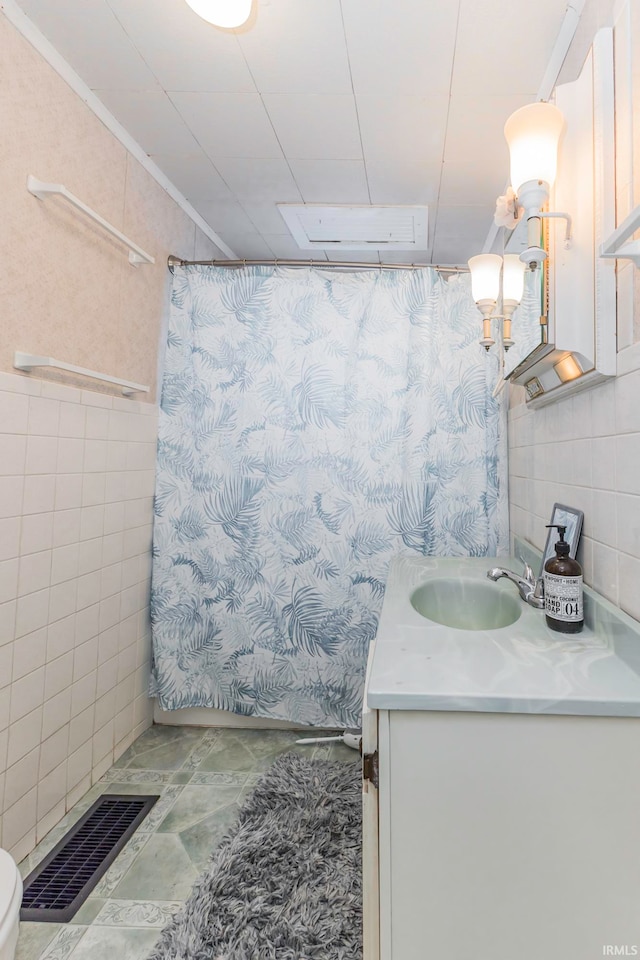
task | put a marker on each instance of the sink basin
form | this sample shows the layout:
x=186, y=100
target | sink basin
x=466, y=604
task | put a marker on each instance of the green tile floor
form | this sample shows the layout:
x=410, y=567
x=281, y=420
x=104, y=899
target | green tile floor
x=202, y=776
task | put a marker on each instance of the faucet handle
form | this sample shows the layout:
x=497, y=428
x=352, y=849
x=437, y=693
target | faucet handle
x=528, y=572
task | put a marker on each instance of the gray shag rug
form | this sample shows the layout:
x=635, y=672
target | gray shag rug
x=286, y=881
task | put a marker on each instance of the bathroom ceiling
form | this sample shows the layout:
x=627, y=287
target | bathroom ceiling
x=321, y=101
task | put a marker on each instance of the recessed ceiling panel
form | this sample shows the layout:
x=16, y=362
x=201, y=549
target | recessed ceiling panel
x=356, y=227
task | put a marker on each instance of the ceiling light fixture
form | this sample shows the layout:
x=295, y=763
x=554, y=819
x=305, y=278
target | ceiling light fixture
x=485, y=290
x=222, y=13
x=533, y=134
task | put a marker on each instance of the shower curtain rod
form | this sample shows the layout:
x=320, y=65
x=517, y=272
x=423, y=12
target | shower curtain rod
x=276, y=262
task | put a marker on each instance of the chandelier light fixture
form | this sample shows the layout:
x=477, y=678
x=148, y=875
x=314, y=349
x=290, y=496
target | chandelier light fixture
x=486, y=269
x=228, y=14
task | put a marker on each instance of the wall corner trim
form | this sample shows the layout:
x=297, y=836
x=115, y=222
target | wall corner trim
x=39, y=42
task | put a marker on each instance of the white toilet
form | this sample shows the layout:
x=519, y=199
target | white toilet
x=10, y=900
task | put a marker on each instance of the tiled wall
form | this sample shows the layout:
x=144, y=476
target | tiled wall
x=585, y=451
x=76, y=465
x=76, y=502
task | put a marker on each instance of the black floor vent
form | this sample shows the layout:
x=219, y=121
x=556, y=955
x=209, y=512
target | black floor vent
x=59, y=885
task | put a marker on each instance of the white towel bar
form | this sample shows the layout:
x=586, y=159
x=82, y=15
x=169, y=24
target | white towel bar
x=26, y=361
x=41, y=190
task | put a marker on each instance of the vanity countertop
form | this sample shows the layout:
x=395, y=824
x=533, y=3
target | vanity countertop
x=523, y=668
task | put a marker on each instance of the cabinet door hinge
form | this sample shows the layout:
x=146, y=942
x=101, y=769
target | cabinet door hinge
x=370, y=768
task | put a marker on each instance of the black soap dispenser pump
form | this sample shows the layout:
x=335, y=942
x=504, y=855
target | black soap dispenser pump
x=563, y=585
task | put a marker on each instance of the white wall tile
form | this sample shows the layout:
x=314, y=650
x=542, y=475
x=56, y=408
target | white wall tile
x=72, y=420
x=81, y=728
x=74, y=568
x=44, y=417
x=56, y=712
x=70, y=455
x=14, y=412
x=42, y=454
x=66, y=527
x=29, y=653
x=37, y=533
x=13, y=451
x=64, y=563
x=8, y=580
x=68, y=491
x=52, y=789
x=39, y=494
x=21, y=777
x=24, y=736
x=61, y=637
x=54, y=751
x=11, y=489
x=19, y=821
x=26, y=694
x=62, y=600
x=32, y=613
x=58, y=675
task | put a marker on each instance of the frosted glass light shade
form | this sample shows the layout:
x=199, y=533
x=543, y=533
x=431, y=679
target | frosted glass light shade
x=533, y=133
x=222, y=13
x=513, y=277
x=485, y=276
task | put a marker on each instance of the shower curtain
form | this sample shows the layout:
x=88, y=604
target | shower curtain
x=314, y=423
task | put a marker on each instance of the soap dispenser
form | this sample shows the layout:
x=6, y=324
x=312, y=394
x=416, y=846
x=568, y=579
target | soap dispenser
x=563, y=605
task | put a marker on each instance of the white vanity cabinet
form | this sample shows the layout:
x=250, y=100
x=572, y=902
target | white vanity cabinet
x=495, y=834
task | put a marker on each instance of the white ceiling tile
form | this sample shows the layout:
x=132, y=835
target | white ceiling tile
x=315, y=126
x=355, y=256
x=331, y=181
x=89, y=36
x=505, y=47
x=458, y=251
x=249, y=246
x=224, y=215
x=400, y=129
x=466, y=183
x=407, y=46
x=258, y=180
x=298, y=47
x=284, y=246
x=457, y=221
x=194, y=175
x=403, y=182
x=476, y=125
x=183, y=50
x=151, y=118
x=420, y=256
x=228, y=124
x=265, y=216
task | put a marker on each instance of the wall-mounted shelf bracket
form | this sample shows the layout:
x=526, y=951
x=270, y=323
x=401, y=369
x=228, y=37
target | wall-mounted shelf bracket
x=618, y=246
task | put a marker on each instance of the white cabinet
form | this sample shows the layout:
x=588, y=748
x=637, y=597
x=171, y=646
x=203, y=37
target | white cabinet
x=501, y=836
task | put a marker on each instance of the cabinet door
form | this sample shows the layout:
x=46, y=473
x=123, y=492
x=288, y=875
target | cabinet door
x=370, y=864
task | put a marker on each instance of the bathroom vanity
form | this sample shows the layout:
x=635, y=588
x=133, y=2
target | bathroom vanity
x=501, y=775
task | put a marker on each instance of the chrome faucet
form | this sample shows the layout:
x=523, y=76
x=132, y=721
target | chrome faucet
x=530, y=589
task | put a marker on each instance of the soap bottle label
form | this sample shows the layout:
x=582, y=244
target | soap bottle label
x=563, y=598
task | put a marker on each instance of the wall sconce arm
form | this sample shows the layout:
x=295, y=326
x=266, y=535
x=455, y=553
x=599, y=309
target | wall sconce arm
x=562, y=216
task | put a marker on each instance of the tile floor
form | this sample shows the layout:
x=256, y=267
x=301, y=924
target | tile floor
x=202, y=776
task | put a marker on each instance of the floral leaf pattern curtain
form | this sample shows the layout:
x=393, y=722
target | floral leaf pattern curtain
x=313, y=424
